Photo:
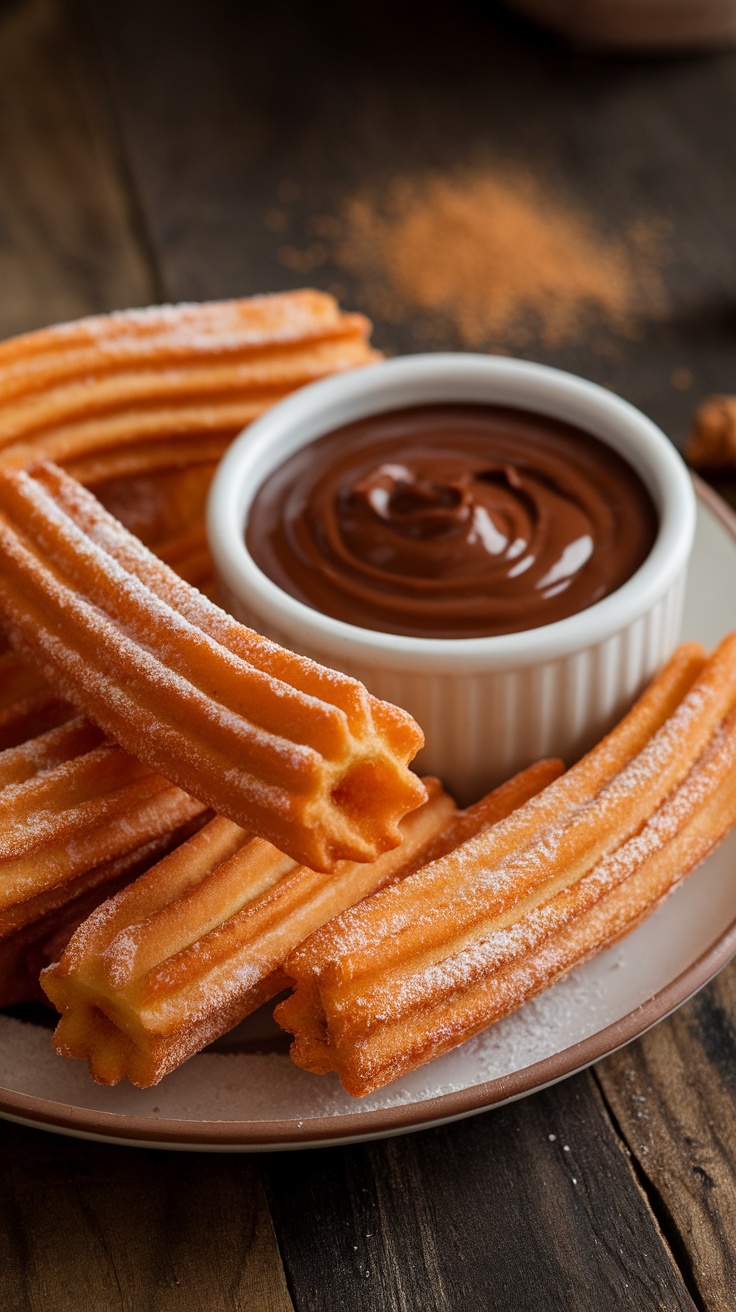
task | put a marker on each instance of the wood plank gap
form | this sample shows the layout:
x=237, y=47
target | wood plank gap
x=674, y=1094
x=532, y=1206
x=111, y=1229
x=672, y=1240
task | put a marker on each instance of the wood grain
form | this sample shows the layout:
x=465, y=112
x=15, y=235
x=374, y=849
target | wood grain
x=68, y=238
x=673, y=1094
x=531, y=1207
x=86, y=1226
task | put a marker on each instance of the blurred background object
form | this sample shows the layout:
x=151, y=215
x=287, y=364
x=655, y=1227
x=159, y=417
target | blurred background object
x=637, y=24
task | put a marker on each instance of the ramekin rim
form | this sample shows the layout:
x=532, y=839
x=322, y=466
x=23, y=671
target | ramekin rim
x=664, y=472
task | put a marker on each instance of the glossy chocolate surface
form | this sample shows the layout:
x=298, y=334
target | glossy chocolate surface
x=452, y=521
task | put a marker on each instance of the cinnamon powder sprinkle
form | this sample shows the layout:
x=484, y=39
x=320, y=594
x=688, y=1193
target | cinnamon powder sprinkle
x=500, y=258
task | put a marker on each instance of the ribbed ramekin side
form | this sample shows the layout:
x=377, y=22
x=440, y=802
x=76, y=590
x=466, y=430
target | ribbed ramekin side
x=483, y=726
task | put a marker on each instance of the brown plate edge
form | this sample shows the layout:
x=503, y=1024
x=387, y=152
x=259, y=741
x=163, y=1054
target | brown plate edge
x=40, y=1113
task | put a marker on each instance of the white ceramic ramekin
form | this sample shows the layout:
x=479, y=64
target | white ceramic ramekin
x=488, y=706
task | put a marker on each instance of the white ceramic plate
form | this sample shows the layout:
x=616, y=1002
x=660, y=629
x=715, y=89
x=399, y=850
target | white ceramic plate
x=244, y=1093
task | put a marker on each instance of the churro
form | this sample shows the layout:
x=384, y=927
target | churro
x=199, y=942
x=424, y=964
x=201, y=452
x=71, y=806
x=28, y=705
x=299, y=754
x=35, y=933
x=102, y=344
x=102, y=384
x=125, y=396
x=46, y=750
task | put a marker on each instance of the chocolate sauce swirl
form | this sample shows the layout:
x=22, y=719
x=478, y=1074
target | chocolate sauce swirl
x=452, y=521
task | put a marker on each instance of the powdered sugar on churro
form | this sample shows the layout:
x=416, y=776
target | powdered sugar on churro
x=477, y=885
x=200, y=940
x=107, y=532
x=259, y=320
x=257, y=739
x=390, y=994
x=111, y=553
x=394, y=982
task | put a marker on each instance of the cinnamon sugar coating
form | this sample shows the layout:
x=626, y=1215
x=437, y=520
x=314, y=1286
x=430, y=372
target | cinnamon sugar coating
x=196, y=944
x=141, y=404
x=423, y=965
x=299, y=754
x=78, y=817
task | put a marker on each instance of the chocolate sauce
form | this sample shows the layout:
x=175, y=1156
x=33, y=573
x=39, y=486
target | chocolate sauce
x=452, y=521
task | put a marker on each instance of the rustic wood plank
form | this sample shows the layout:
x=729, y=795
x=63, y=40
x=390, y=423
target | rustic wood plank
x=69, y=239
x=531, y=1207
x=86, y=1226
x=279, y=113
x=674, y=1097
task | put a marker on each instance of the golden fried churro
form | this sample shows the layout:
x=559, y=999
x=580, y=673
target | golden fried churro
x=49, y=749
x=197, y=943
x=424, y=964
x=62, y=818
x=206, y=329
x=297, y=753
x=201, y=452
x=34, y=933
x=81, y=389
x=28, y=706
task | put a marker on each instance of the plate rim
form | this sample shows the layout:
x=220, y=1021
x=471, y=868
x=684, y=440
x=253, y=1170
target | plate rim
x=355, y=1126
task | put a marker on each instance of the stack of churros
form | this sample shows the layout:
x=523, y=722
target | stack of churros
x=193, y=819
x=74, y=814
x=34, y=935
x=127, y=392
x=77, y=817
x=301, y=755
x=140, y=405
x=185, y=952
x=423, y=965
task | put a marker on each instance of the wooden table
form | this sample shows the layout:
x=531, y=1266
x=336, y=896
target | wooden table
x=144, y=149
